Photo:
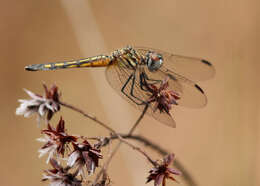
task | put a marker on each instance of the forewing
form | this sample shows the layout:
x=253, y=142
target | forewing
x=117, y=77
x=195, y=69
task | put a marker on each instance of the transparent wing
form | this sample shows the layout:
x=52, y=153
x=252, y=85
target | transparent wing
x=117, y=77
x=195, y=69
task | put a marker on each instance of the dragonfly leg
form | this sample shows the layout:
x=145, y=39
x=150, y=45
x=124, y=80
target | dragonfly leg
x=127, y=95
x=154, y=80
x=143, y=81
x=149, y=79
x=132, y=92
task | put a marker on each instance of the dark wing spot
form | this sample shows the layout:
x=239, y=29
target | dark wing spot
x=206, y=62
x=197, y=86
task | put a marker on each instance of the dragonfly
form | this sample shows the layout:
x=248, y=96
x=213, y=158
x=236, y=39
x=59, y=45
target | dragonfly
x=130, y=68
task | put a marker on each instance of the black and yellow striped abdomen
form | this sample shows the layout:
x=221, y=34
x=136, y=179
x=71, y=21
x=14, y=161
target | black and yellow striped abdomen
x=96, y=61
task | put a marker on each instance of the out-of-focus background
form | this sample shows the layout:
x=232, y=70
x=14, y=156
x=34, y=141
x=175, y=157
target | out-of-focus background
x=218, y=145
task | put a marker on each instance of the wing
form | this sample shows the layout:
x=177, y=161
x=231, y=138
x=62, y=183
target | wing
x=117, y=76
x=195, y=69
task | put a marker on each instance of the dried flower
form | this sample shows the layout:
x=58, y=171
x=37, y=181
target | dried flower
x=162, y=97
x=160, y=172
x=56, y=140
x=42, y=105
x=84, y=157
x=59, y=176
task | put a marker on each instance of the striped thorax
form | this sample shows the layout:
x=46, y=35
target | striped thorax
x=127, y=57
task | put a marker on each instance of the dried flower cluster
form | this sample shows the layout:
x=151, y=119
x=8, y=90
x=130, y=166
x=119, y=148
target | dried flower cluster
x=60, y=176
x=160, y=172
x=77, y=154
x=56, y=140
x=83, y=158
x=163, y=98
x=72, y=157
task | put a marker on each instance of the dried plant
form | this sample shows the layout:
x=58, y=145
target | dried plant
x=74, y=158
x=161, y=171
x=40, y=105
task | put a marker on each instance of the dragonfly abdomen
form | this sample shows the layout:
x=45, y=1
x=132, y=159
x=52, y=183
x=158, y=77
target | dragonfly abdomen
x=96, y=61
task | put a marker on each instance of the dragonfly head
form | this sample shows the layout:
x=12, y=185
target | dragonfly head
x=154, y=61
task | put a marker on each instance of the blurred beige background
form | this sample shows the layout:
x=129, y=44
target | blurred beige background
x=218, y=144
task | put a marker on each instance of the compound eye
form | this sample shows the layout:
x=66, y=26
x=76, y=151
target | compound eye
x=154, y=61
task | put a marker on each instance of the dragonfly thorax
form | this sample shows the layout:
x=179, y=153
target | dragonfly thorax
x=153, y=61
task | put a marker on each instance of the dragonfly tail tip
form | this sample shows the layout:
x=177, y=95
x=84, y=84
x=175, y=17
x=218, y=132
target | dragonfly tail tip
x=30, y=68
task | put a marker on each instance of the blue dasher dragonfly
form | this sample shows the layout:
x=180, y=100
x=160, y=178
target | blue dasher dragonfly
x=129, y=69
